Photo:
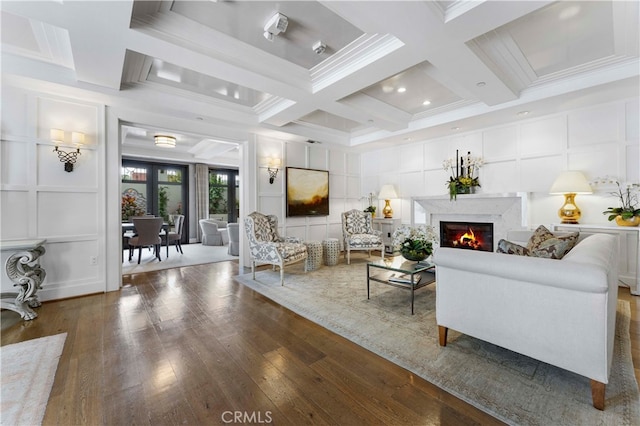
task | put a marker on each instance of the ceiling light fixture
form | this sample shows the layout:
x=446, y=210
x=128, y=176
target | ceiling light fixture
x=402, y=89
x=164, y=141
x=427, y=102
x=481, y=84
x=275, y=25
x=523, y=113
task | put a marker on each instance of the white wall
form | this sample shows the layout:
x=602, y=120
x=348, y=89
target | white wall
x=40, y=200
x=525, y=156
x=344, y=184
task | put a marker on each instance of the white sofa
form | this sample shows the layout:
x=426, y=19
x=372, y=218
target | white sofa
x=561, y=312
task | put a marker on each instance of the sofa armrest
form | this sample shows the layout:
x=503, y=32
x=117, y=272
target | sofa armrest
x=548, y=272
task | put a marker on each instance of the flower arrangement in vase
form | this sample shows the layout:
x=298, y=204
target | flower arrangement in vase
x=464, y=170
x=371, y=208
x=628, y=213
x=130, y=208
x=414, y=242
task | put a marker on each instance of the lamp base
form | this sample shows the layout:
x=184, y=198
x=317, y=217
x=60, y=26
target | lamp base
x=387, y=211
x=569, y=212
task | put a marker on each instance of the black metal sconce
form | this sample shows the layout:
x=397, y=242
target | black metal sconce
x=273, y=173
x=68, y=158
x=272, y=168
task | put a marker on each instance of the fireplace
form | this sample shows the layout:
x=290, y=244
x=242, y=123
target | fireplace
x=467, y=235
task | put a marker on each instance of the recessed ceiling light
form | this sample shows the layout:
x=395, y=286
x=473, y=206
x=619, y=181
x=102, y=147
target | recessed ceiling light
x=387, y=89
x=407, y=139
x=523, y=113
x=199, y=118
x=402, y=89
x=481, y=84
x=455, y=128
x=427, y=102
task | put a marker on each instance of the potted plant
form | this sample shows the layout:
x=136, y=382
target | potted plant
x=628, y=213
x=414, y=242
x=372, y=210
x=463, y=179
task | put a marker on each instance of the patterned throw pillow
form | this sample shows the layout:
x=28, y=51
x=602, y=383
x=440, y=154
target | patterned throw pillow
x=507, y=247
x=544, y=244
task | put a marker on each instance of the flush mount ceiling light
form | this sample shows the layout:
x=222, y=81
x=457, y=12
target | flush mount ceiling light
x=275, y=25
x=164, y=141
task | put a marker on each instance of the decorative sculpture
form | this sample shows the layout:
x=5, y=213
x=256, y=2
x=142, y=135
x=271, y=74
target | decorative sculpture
x=25, y=272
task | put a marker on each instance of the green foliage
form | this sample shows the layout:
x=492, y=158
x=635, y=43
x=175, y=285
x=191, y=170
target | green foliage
x=217, y=200
x=163, y=199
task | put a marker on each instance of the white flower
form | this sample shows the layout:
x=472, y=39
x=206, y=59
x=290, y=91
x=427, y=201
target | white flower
x=420, y=232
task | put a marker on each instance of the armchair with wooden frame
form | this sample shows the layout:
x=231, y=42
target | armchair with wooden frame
x=267, y=246
x=358, y=233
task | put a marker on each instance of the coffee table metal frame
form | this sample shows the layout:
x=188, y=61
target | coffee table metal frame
x=398, y=264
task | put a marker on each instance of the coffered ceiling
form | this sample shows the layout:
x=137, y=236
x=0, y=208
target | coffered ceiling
x=390, y=71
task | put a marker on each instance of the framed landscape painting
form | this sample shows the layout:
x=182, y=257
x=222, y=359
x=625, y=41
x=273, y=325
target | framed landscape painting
x=307, y=192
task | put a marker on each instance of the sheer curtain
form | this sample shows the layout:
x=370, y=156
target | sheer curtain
x=202, y=195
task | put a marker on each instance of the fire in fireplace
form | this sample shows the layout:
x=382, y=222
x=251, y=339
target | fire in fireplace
x=467, y=235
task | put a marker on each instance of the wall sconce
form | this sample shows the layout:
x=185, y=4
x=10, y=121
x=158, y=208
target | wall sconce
x=68, y=158
x=570, y=183
x=387, y=192
x=164, y=141
x=273, y=165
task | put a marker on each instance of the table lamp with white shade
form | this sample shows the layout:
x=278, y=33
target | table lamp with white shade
x=570, y=183
x=387, y=192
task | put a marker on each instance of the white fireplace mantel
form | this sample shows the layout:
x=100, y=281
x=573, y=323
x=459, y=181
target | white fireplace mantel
x=505, y=210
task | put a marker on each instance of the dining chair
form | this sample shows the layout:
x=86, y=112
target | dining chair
x=176, y=237
x=148, y=235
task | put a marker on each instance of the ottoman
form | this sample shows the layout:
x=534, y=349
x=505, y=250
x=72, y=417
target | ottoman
x=314, y=255
x=331, y=248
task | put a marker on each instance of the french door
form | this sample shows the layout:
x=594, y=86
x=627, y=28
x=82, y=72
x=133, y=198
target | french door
x=155, y=188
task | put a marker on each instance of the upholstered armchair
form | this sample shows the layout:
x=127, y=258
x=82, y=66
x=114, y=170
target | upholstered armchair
x=267, y=246
x=214, y=232
x=358, y=233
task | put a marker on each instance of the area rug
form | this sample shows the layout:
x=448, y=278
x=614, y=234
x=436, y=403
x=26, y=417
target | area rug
x=194, y=254
x=511, y=387
x=28, y=369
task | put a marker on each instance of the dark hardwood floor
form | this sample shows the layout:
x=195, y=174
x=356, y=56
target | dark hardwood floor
x=191, y=346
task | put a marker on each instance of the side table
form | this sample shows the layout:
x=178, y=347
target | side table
x=331, y=248
x=23, y=269
x=314, y=255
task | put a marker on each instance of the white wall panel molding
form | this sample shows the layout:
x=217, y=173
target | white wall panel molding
x=526, y=156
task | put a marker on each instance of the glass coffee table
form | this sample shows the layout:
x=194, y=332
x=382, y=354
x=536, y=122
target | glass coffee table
x=402, y=273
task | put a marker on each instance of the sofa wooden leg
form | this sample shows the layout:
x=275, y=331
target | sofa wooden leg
x=597, y=394
x=442, y=334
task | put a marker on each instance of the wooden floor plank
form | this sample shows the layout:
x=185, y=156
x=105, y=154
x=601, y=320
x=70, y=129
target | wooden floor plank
x=190, y=346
